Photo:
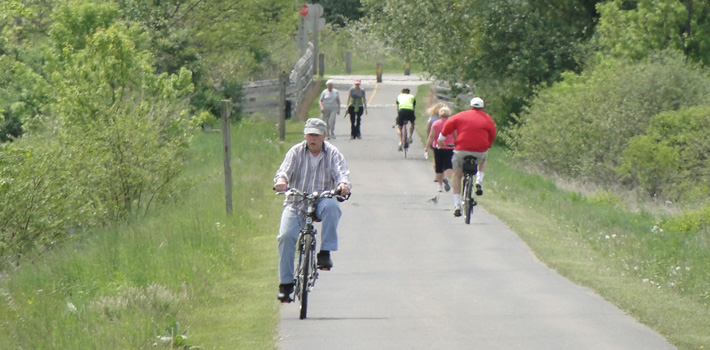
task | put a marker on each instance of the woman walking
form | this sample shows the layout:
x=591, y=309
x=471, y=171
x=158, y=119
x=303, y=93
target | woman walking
x=329, y=107
x=357, y=103
x=442, y=155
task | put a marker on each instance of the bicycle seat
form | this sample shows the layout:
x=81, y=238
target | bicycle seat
x=469, y=164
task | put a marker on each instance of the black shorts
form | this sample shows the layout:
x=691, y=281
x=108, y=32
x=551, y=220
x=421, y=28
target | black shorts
x=442, y=159
x=405, y=114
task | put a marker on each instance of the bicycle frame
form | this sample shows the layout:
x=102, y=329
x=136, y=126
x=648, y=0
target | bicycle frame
x=470, y=168
x=305, y=270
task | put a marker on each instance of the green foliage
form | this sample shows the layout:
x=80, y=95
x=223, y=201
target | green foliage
x=655, y=25
x=690, y=222
x=77, y=20
x=118, y=143
x=669, y=160
x=503, y=48
x=341, y=12
x=24, y=95
x=580, y=126
x=145, y=281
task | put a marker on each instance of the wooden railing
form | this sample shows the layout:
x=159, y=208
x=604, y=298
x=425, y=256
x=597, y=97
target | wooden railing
x=263, y=96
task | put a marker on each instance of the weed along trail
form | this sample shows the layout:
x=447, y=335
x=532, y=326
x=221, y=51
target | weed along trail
x=408, y=275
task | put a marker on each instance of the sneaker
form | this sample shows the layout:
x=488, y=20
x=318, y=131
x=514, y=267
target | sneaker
x=479, y=190
x=400, y=147
x=359, y=137
x=441, y=188
x=284, y=294
x=457, y=210
x=409, y=141
x=323, y=260
x=447, y=187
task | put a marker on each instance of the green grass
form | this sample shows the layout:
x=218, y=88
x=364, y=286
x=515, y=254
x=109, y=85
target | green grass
x=660, y=277
x=190, y=267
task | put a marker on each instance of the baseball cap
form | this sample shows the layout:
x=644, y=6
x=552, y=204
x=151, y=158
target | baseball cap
x=476, y=102
x=357, y=81
x=314, y=126
x=328, y=82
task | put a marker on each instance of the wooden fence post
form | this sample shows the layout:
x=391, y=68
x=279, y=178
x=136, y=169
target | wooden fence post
x=227, y=148
x=348, y=62
x=321, y=64
x=283, y=81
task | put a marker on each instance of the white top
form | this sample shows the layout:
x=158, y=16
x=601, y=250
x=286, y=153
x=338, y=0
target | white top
x=330, y=99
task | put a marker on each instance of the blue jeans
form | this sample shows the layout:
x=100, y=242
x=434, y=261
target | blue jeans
x=328, y=210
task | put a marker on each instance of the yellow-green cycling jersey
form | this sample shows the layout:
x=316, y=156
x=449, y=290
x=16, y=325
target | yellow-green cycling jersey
x=405, y=101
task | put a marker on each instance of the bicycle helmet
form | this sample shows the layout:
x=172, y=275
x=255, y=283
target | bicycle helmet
x=476, y=102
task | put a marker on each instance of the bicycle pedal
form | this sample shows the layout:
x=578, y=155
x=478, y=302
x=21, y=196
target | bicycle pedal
x=324, y=268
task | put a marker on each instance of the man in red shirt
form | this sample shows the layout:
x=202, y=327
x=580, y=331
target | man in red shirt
x=474, y=131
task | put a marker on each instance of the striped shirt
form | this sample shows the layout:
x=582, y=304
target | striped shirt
x=310, y=173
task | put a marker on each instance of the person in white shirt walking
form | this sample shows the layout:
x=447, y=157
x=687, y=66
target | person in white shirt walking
x=329, y=107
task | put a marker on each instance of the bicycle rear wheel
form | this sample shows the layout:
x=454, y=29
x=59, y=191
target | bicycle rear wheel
x=405, y=136
x=304, y=273
x=467, y=199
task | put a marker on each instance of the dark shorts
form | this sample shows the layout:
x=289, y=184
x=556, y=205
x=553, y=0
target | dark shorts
x=442, y=160
x=405, y=114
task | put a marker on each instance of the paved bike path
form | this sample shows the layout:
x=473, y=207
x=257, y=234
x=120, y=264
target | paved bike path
x=408, y=275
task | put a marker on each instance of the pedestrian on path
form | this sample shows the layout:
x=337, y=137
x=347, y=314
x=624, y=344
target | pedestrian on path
x=329, y=107
x=357, y=103
x=442, y=154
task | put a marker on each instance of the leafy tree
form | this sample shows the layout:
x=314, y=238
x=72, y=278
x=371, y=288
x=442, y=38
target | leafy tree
x=503, y=48
x=653, y=25
x=10, y=126
x=341, y=12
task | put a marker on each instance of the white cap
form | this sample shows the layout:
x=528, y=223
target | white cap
x=476, y=102
x=328, y=82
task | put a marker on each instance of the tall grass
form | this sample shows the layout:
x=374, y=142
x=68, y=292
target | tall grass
x=189, y=269
x=637, y=259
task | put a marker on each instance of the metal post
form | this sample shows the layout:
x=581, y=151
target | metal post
x=283, y=81
x=379, y=72
x=227, y=148
x=406, y=68
x=348, y=62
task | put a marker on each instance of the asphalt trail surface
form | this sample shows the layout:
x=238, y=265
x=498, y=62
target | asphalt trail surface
x=408, y=275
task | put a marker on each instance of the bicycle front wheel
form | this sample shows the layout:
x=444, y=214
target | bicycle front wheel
x=305, y=272
x=467, y=199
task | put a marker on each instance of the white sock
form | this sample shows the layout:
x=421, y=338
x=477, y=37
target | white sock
x=479, y=177
x=457, y=199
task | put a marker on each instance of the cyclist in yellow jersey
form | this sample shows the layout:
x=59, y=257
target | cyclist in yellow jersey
x=405, y=112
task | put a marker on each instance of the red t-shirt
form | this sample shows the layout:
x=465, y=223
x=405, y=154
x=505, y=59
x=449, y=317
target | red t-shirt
x=475, y=130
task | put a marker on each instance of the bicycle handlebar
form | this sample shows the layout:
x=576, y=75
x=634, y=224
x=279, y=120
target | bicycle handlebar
x=316, y=195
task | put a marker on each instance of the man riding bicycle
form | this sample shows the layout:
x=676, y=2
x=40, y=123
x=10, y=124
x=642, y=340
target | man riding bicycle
x=475, y=131
x=311, y=165
x=405, y=112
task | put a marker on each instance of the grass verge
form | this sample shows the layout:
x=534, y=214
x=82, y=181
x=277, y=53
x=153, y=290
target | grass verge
x=657, y=276
x=191, y=269
x=188, y=269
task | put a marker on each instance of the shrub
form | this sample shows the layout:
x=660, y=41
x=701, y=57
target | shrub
x=117, y=145
x=580, y=126
x=671, y=160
